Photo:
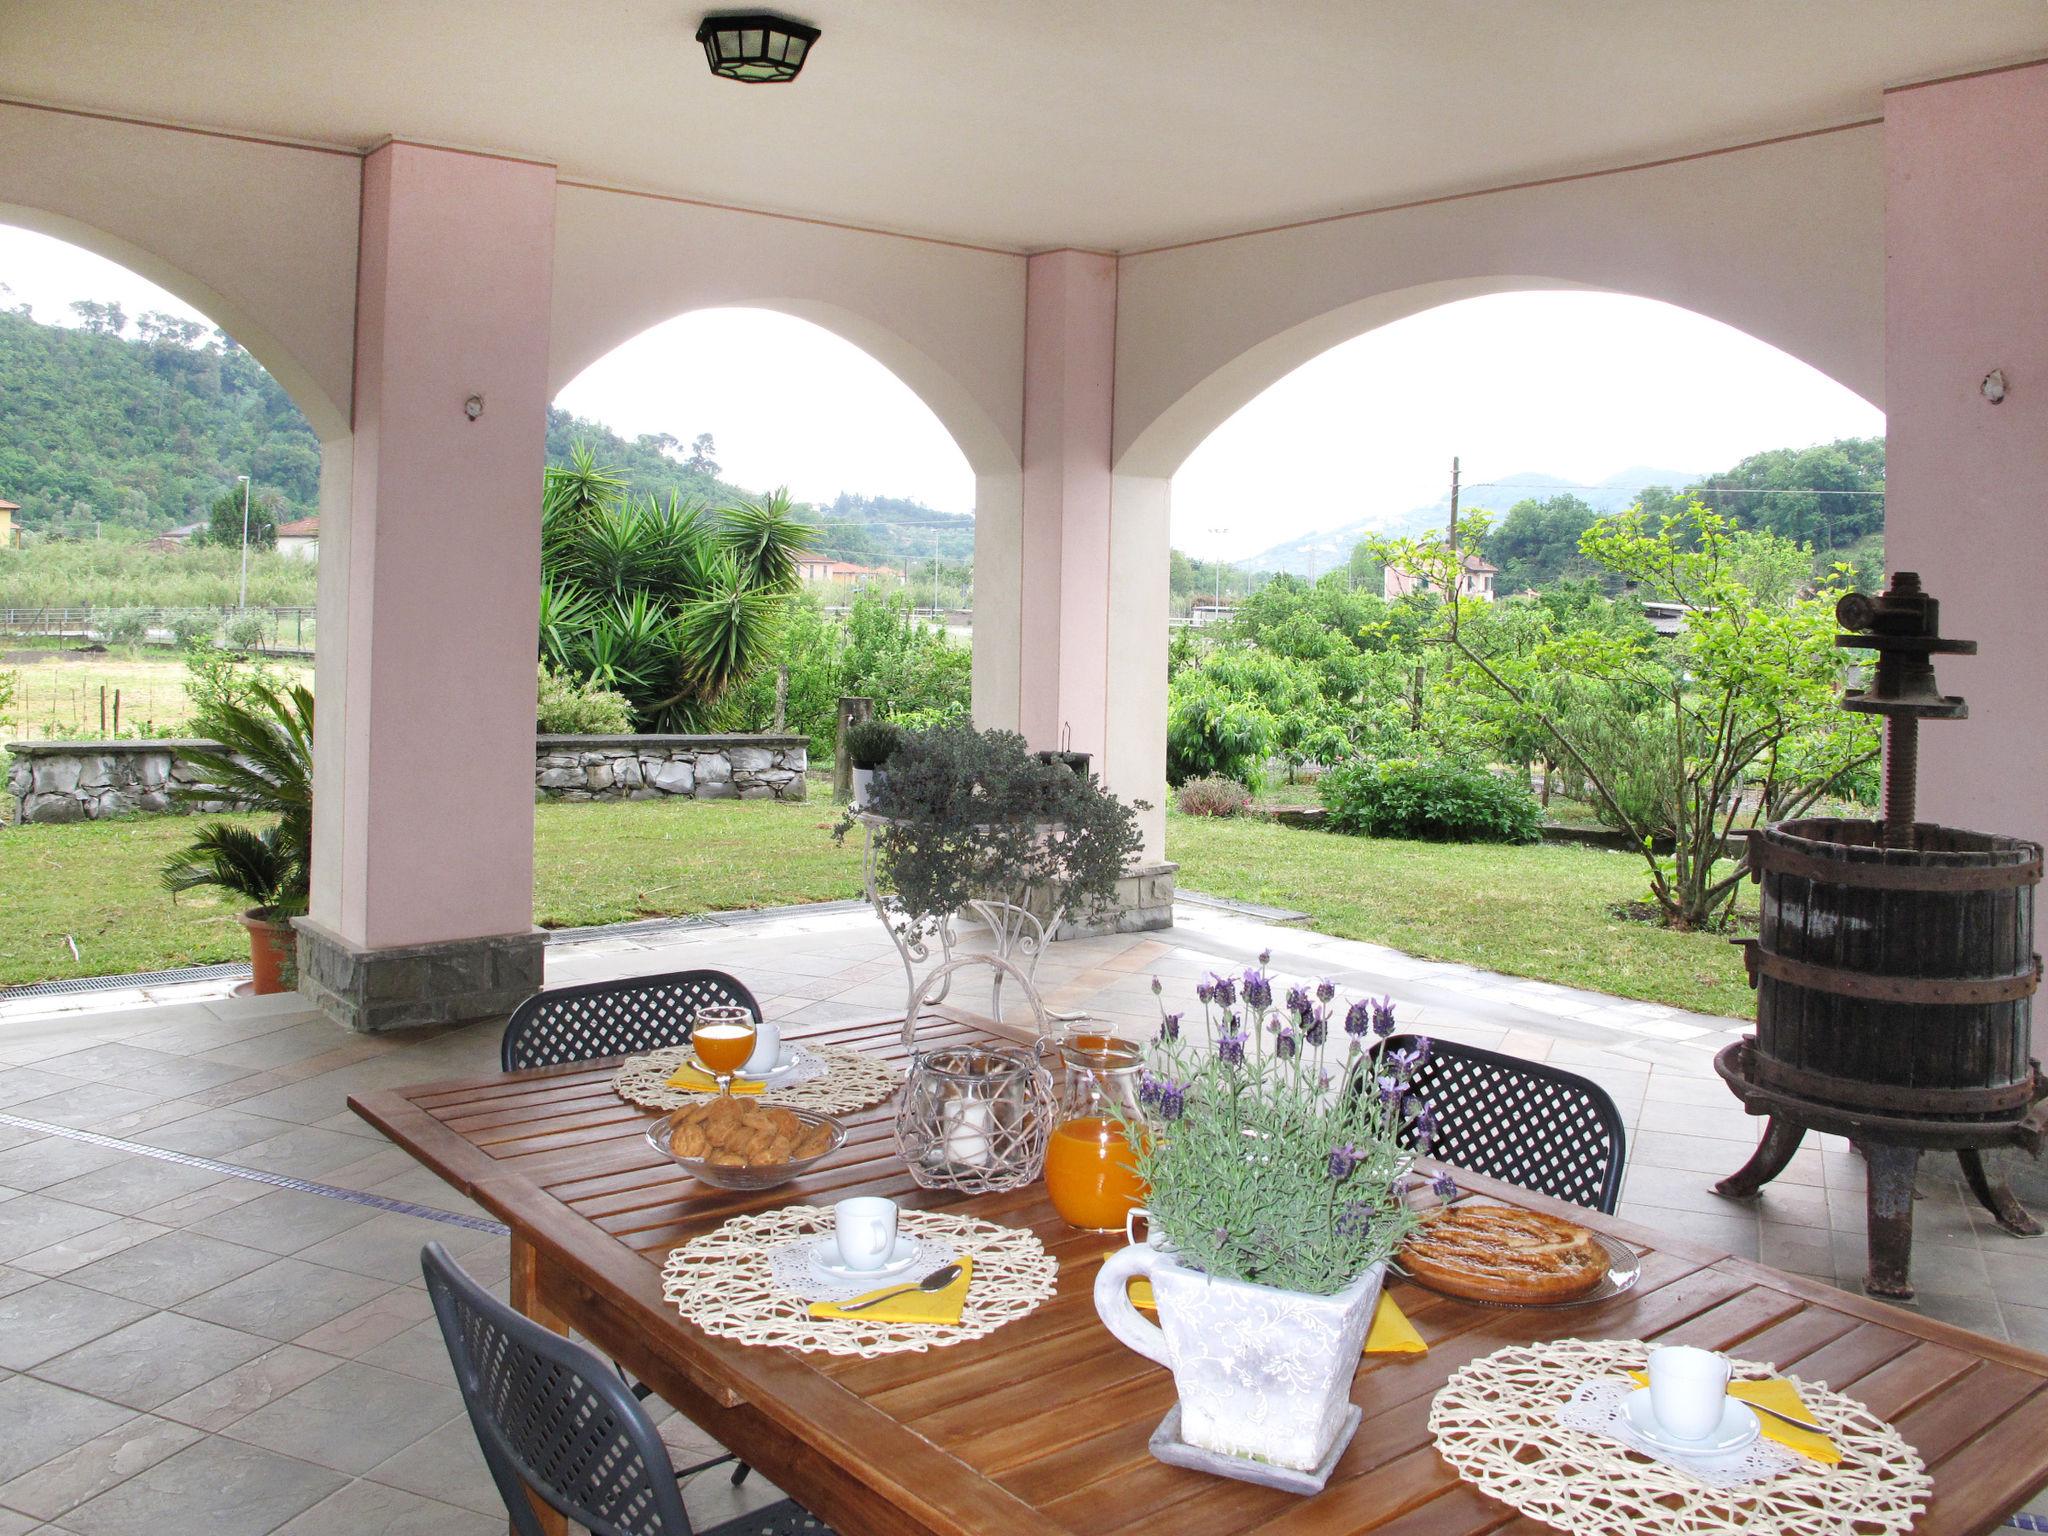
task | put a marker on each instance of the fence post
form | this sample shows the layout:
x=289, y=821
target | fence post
x=781, y=697
x=852, y=710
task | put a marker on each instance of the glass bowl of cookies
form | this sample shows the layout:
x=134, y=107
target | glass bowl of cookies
x=737, y=1143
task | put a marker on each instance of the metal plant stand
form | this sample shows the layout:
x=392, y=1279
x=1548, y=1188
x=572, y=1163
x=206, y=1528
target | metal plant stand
x=929, y=946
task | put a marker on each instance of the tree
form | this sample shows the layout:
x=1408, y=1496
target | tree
x=1743, y=696
x=100, y=319
x=702, y=459
x=161, y=329
x=1538, y=541
x=1829, y=496
x=224, y=519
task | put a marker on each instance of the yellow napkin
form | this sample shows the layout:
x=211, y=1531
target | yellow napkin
x=692, y=1078
x=1776, y=1392
x=1390, y=1334
x=913, y=1306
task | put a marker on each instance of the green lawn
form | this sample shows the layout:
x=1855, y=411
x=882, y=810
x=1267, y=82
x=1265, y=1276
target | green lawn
x=1534, y=911
x=95, y=883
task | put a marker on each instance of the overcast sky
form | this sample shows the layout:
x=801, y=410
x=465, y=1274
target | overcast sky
x=1579, y=385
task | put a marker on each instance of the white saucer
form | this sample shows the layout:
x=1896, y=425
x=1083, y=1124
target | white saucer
x=784, y=1065
x=824, y=1257
x=1737, y=1428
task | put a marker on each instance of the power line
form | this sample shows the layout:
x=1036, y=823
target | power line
x=1714, y=490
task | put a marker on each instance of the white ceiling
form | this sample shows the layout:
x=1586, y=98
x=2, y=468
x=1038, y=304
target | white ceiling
x=1024, y=124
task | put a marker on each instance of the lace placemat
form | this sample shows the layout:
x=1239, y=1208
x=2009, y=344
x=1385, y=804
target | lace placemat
x=1597, y=1406
x=1499, y=1422
x=828, y=1080
x=725, y=1283
x=792, y=1269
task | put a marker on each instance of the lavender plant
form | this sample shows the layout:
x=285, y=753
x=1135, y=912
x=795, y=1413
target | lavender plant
x=1274, y=1158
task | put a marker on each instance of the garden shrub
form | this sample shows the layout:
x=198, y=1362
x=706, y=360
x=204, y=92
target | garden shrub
x=188, y=625
x=1439, y=799
x=569, y=707
x=126, y=626
x=1214, y=795
x=244, y=631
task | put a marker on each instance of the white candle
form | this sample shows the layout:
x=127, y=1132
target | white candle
x=968, y=1123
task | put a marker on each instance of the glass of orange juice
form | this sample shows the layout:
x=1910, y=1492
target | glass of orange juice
x=724, y=1039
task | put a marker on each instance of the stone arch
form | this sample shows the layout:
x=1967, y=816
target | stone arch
x=329, y=417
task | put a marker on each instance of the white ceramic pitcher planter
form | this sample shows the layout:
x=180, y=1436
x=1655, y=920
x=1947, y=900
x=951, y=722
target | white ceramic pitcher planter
x=1263, y=1374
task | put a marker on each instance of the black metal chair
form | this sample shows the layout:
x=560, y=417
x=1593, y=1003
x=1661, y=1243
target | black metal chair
x=617, y=1018
x=551, y=1419
x=614, y=1018
x=1529, y=1123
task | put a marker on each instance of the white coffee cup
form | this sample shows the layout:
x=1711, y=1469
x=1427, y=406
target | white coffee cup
x=1687, y=1390
x=865, y=1228
x=767, y=1049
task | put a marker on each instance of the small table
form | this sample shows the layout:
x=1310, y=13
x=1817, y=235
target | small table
x=1042, y=1426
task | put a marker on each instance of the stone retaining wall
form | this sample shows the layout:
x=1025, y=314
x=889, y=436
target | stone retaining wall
x=89, y=780
x=648, y=767
x=59, y=781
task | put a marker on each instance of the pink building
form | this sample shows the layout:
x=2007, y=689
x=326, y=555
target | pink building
x=1474, y=581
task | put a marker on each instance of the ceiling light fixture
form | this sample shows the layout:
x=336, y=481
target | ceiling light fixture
x=755, y=47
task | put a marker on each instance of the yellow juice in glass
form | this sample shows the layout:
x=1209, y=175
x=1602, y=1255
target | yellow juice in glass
x=722, y=1049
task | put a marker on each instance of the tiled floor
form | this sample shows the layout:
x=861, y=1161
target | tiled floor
x=188, y=1350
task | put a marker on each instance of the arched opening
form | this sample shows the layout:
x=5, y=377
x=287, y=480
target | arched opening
x=1302, y=643
x=734, y=411
x=1579, y=390
x=159, y=491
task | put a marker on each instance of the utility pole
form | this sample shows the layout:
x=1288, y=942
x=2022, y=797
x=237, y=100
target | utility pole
x=244, y=603
x=1217, y=612
x=1457, y=559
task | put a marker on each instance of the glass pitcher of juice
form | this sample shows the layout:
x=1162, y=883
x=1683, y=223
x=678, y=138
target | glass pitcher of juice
x=1089, y=1170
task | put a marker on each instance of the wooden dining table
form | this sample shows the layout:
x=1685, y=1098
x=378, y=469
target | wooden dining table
x=1041, y=1427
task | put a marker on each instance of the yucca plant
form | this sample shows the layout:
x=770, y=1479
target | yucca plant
x=664, y=602
x=265, y=763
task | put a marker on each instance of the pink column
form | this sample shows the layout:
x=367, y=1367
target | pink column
x=1966, y=293
x=1069, y=393
x=423, y=900
x=1093, y=550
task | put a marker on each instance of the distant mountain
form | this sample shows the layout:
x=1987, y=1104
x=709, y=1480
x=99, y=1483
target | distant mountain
x=1327, y=548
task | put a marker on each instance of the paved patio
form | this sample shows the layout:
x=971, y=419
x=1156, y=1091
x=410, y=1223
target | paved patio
x=189, y=1344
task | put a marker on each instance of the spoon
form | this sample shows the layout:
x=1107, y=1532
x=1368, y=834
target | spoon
x=1786, y=1417
x=937, y=1280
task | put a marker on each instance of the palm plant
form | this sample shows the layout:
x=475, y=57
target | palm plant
x=664, y=602
x=265, y=763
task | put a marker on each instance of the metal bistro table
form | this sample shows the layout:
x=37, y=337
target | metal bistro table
x=1042, y=1426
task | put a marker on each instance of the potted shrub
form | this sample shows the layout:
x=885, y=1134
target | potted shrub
x=869, y=745
x=972, y=815
x=1276, y=1171
x=264, y=763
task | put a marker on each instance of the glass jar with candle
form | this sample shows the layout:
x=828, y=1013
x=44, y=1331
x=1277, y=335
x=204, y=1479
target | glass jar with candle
x=1089, y=1172
x=974, y=1118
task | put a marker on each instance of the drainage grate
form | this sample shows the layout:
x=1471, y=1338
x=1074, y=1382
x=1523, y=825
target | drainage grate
x=263, y=1176
x=190, y=973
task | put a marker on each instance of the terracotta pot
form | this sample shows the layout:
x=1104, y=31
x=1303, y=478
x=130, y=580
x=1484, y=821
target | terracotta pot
x=272, y=952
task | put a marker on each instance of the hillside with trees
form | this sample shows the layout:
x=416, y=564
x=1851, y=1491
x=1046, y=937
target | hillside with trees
x=143, y=423
x=141, y=431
